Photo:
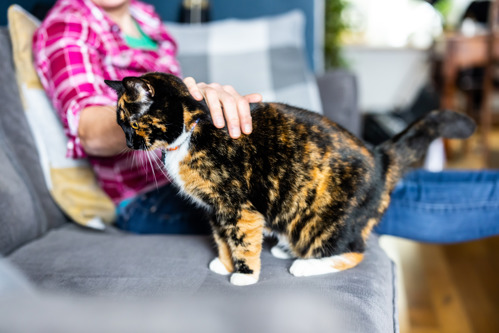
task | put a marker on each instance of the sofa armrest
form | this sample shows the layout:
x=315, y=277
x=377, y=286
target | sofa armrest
x=339, y=97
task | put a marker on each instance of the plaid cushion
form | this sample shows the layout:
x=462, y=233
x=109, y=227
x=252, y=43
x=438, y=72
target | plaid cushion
x=264, y=55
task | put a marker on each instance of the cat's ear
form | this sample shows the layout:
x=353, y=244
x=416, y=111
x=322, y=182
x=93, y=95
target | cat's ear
x=116, y=85
x=139, y=85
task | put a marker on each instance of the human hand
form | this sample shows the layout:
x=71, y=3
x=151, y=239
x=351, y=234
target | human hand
x=225, y=104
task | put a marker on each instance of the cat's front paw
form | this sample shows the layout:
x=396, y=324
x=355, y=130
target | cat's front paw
x=218, y=267
x=240, y=279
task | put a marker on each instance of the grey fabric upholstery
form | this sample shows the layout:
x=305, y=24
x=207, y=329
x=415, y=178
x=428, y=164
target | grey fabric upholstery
x=338, y=90
x=274, y=312
x=12, y=281
x=113, y=263
x=28, y=210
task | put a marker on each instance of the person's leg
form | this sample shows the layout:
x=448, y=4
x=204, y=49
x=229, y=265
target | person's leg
x=444, y=207
x=162, y=211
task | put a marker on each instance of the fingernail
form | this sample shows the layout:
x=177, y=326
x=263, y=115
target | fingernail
x=197, y=95
x=219, y=122
x=235, y=132
x=247, y=129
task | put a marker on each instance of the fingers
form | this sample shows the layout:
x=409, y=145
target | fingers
x=253, y=98
x=214, y=102
x=240, y=108
x=226, y=105
x=193, y=88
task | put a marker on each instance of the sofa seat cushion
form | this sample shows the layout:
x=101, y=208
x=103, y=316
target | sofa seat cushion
x=113, y=263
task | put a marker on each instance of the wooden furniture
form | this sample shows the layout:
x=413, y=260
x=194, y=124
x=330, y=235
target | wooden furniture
x=461, y=52
x=488, y=85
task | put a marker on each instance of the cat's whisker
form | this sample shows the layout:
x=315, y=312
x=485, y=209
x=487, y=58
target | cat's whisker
x=135, y=159
x=159, y=163
x=148, y=155
x=124, y=151
x=132, y=160
x=143, y=161
x=127, y=150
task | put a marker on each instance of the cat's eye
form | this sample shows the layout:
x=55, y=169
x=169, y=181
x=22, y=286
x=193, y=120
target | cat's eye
x=134, y=125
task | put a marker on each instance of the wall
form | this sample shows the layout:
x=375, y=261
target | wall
x=387, y=77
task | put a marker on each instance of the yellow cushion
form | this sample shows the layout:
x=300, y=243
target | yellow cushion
x=72, y=183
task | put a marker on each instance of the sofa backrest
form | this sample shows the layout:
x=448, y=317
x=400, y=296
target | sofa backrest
x=248, y=9
x=27, y=210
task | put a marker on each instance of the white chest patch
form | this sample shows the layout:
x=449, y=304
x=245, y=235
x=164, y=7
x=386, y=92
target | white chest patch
x=172, y=160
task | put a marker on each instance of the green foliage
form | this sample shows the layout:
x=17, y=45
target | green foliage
x=444, y=7
x=334, y=27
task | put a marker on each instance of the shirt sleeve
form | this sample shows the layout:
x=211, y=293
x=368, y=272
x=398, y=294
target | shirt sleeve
x=72, y=73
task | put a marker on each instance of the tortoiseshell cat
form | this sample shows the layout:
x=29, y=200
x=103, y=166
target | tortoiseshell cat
x=298, y=176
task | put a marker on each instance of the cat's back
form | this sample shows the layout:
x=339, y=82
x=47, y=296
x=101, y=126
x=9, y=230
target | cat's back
x=279, y=122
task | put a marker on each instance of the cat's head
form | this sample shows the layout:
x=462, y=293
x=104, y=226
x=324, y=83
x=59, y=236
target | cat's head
x=150, y=109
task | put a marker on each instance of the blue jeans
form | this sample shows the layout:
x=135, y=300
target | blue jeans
x=444, y=207
x=162, y=211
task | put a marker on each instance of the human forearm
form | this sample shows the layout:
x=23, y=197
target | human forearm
x=99, y=133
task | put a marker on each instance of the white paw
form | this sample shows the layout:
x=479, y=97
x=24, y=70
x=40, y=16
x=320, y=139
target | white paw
x=310, y=267
x=280, y=253
x=239, y=279
x=217, y=267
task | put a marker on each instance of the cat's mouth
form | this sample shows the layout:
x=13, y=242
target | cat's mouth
x=135, y=145
x=161, y=145
x=141, y=142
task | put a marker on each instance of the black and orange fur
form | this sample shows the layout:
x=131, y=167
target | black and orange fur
x=298, y=175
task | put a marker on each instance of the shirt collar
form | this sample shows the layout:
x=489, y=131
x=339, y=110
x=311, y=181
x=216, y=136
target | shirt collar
x=141, y=12
x=98, y=14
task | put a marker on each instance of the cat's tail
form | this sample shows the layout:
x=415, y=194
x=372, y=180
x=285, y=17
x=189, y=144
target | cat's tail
x=410, y=146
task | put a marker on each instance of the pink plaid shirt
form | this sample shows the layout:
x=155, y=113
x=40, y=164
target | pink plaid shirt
x=76, y=48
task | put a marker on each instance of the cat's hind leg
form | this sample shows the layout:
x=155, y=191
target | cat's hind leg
x=337, y=263
x=282, y=250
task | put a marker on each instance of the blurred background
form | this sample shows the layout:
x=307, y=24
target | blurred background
x=411, y=56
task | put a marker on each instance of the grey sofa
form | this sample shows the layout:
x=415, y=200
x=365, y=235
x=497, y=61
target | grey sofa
x=67, y=278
